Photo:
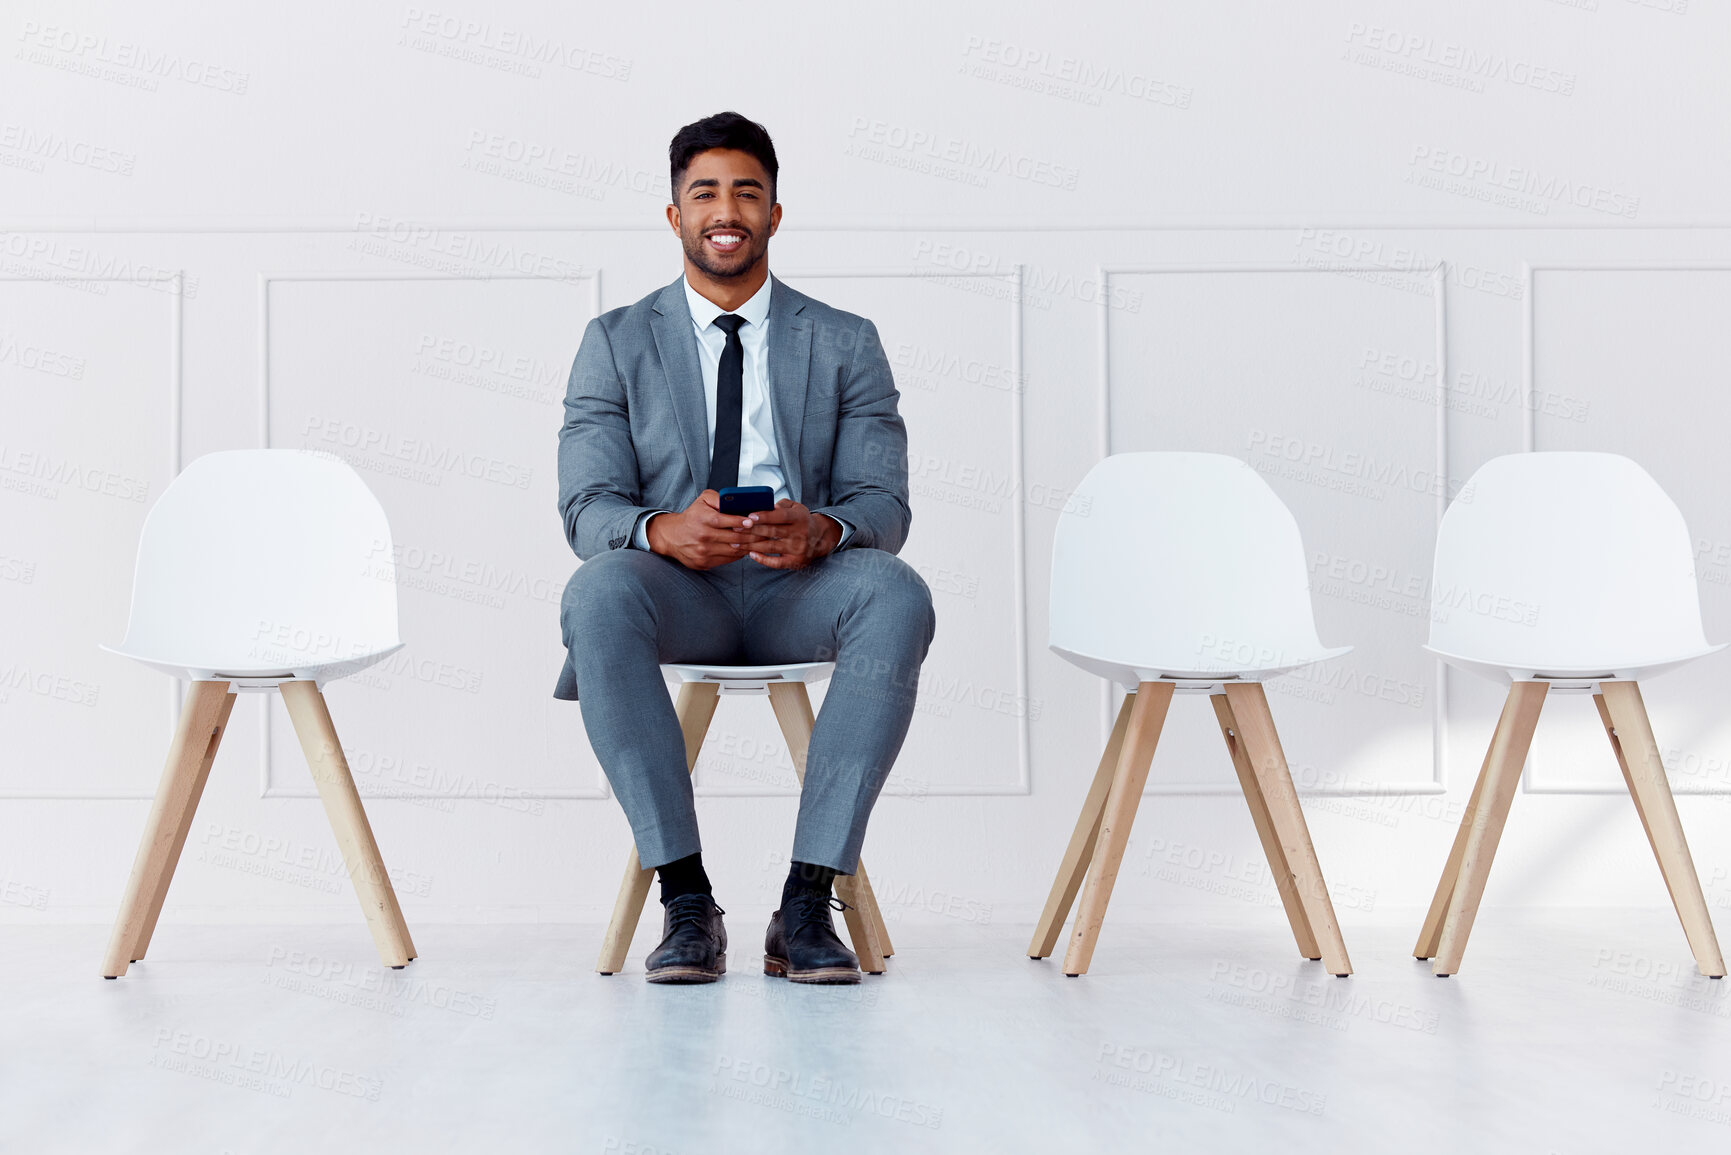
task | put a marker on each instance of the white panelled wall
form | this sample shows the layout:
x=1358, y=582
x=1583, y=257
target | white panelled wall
x=1363, y=246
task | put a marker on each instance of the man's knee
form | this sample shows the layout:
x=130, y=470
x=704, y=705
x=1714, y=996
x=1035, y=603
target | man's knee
x=895, y=592
x=604, y=589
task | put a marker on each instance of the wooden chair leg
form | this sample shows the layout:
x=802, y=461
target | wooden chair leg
x=148, y=927
x=1430, y=934
x=792, y=706
x=1629, y=781
x=695, y=708
x=1631, y=734
x=874, y=912
x=1260, y=743
x=627, y=911
x=330, y=769
x=860, y=927
x=1080, y=852
x=1508, y=753
x=203, y=716
x=1272, y=849
x=1147, y=716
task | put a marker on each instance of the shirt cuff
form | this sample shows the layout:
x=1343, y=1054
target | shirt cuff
x=640, y=533
x=846, y=530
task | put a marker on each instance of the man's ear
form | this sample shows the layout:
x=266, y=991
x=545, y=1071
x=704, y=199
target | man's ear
x=774, y=217
x=673, y=219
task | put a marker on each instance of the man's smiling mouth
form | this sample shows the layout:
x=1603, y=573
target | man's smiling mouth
x=726, y=241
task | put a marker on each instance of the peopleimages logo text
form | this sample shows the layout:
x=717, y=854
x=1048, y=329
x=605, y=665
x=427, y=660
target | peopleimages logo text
x=1525, y=180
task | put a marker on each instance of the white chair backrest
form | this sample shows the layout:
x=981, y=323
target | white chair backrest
x=1565, y=562
x=264, y=557
x=1185, y=562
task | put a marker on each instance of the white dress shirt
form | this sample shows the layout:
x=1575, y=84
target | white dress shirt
x=759, y=458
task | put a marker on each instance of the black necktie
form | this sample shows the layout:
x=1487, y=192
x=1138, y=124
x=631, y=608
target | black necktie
x=729, y=406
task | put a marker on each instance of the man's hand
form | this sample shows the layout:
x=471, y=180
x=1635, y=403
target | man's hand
x=702, y=537
x=791, y=536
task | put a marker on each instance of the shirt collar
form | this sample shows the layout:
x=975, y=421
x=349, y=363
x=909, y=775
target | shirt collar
x=704, y=311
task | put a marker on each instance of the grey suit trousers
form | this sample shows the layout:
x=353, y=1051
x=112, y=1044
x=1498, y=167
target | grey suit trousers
x=625, y=612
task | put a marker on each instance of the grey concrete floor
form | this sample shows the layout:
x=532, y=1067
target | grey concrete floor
x=1579, y=1031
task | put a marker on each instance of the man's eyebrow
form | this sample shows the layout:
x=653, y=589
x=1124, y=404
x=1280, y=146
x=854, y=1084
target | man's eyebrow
x=711, y=182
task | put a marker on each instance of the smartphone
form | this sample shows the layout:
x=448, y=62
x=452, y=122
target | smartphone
x=739, y=500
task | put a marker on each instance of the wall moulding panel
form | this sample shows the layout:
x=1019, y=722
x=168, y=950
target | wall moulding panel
x=463, y=372
x=1617, y=356
x=90, y=433
x=1346, y=477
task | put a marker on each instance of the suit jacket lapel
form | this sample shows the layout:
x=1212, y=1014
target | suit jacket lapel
x=789, y=370
x=676, y=343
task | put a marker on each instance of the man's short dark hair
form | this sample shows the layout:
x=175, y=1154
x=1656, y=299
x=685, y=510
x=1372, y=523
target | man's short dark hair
x=723, y=130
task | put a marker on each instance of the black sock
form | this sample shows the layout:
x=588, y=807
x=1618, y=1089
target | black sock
x=683, y=876
x=807, y=876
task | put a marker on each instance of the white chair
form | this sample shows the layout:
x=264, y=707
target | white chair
x=1564, y=571
x=260, y=569
x=1184, y=573
x=700, y=688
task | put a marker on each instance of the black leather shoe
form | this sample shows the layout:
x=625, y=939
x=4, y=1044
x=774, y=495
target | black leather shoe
x=693, y=942
x=801, y=944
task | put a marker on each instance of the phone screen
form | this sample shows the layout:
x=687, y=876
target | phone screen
x=739, y=500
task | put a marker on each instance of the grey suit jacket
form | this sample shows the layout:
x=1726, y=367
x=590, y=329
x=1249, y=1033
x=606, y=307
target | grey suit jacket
x=636, y=433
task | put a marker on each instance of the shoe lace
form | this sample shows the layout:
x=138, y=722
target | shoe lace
x=809, y=906
x=690, y=910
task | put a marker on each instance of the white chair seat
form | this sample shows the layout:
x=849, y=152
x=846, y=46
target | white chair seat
x=1624, y=668
x=1129, y=673
x=248, y=673
x=748, y=679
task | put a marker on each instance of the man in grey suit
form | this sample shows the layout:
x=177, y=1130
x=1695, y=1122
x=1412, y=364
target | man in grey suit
x=728, y=377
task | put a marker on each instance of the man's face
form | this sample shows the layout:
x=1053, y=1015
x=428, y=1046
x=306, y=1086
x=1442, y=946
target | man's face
x=725, y=216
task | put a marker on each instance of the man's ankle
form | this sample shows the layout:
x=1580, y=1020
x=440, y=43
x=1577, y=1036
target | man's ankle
x=807, y=878
x=683, y=876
